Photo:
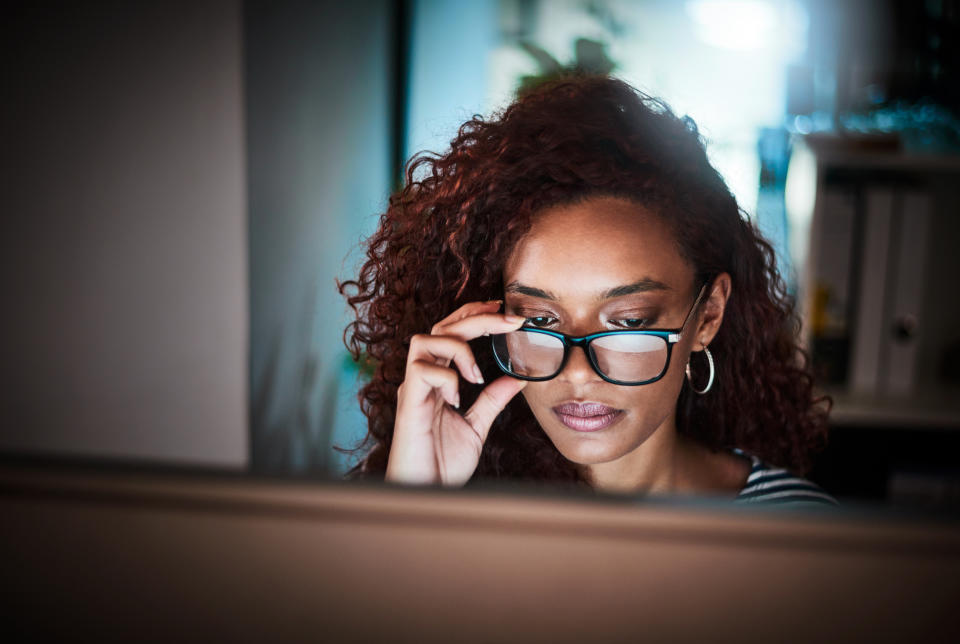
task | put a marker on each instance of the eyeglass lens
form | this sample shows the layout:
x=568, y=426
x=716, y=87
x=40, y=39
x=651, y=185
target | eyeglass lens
x=625, y=358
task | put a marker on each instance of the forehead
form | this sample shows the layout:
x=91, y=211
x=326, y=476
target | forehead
x=596, y=245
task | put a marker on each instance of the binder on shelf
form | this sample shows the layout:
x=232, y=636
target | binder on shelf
x=830, y=320
x=869, y=332
x=903, y=323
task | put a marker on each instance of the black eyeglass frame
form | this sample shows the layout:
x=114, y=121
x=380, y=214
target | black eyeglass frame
x=671, y=336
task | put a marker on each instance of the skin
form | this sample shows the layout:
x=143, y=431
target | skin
x=560, y=276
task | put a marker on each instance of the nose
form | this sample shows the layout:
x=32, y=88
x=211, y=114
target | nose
x=578, y=369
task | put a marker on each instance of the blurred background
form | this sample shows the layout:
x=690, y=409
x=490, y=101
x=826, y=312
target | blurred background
x=183, y=182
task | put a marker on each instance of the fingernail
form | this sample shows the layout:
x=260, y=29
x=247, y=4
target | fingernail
x=514, y=319
x=456, y=401
x=494, y=302
x=477, y=374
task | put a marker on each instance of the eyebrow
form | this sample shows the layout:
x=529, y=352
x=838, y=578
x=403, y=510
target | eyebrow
x=522, y=289
x=640, y=286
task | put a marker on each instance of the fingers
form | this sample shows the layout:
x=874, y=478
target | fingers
x=441, y=350
x=491, y=402
x=447, y=341
x=480, y=324
x=429, y=358
x=470, y=321
x=471, y=308
x=423, y=378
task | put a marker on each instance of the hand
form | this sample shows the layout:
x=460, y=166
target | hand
x=432, y=441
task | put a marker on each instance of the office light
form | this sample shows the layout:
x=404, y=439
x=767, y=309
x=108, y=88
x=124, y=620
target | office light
x=745, y=25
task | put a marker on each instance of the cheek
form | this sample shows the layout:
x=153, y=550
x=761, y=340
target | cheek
x=651, y=404
x=668, y=387
x=535, y=393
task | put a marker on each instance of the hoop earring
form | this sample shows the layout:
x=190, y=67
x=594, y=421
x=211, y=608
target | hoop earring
x=712, y=374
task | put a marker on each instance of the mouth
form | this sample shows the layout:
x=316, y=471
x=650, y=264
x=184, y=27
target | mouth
x=587, y=416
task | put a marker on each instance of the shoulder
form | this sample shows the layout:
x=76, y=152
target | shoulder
x=767, y=484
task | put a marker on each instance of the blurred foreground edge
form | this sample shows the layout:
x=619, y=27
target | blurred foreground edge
x=174, y=556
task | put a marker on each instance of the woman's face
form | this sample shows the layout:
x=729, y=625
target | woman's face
x=604, y=264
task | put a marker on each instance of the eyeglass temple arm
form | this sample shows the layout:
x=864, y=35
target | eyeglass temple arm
x=675, y=337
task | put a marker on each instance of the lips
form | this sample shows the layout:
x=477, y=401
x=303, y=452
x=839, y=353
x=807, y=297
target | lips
x=587, y=417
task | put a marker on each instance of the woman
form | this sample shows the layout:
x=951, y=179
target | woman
x=580, y=251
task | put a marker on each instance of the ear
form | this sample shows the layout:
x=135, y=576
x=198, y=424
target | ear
x=711, y=315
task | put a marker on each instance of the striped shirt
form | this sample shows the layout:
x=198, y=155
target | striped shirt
x=768, y=485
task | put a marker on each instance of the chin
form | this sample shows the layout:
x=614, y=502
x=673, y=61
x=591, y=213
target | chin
x=589, y=448
x=588, y=457
x=594, y=448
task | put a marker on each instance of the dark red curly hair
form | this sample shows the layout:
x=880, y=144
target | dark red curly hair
x=446, y=234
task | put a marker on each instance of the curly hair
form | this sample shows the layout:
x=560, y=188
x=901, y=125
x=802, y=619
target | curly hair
x=446, y=234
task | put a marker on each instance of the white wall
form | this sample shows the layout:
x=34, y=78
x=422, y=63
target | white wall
x=123, y=253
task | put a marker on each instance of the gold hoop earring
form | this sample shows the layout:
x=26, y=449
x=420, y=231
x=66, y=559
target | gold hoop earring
x=712, y=374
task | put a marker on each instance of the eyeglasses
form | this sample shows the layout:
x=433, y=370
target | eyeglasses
x=629, y=357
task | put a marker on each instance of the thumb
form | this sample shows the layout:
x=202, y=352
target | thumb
x=491, y=402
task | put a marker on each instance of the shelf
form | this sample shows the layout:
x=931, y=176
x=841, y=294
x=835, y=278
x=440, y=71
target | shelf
x=938, y=410
x=886, y=161
x=870, y=153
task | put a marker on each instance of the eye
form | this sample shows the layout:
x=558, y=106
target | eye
x=631, y=323
x=540, y=321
